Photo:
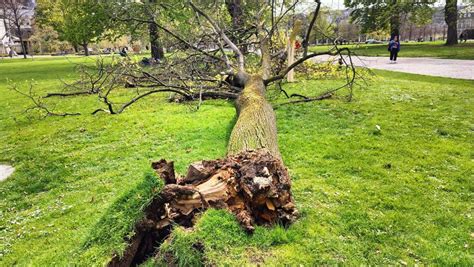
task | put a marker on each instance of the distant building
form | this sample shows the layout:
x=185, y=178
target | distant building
x=435, y=30
x=465, y=18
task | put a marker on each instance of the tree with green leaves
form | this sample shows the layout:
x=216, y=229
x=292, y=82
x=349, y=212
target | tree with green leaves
x=323, y=28
x=140, y=18
x=383, y=15
x=78, y=22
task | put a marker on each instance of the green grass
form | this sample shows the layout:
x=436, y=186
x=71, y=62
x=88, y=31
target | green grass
x=428, y=49
x=399, y=195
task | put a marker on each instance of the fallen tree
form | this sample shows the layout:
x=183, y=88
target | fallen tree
x=252, y=181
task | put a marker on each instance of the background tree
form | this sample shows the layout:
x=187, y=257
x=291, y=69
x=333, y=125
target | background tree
x=157, y=51
x=78, y=22
x=451, y=18
x=46, y=40
x=383, y=15
x=418, y=18
x=139, y=18
x=323, y=28
x=14, y=14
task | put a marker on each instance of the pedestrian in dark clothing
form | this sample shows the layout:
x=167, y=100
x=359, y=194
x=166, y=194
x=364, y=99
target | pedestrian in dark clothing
x=123, y=52
x=394, y=48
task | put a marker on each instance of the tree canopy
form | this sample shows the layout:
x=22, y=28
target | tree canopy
x=78, y=22
x=386, y=15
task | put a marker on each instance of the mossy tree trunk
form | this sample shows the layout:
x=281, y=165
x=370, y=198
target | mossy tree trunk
x=256, y=125
x=156, y=47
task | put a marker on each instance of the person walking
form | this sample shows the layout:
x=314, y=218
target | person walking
x=394, y=48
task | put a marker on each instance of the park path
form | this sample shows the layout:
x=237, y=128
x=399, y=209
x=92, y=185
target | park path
x=451, y=68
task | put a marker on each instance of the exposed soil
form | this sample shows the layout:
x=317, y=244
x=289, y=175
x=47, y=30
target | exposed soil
x=253, y=185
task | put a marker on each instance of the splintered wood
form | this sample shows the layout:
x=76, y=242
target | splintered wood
x=253, y=185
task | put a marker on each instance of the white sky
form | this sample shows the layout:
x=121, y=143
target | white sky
x=333, y=4
x=339, y=4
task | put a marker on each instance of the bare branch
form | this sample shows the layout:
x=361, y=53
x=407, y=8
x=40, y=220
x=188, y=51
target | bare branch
x=310, y=28
x=38, y=104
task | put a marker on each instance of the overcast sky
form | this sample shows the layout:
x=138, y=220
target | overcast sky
x=339, y=4
x=333, y=4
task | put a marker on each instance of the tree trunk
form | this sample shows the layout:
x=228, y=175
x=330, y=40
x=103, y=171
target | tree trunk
x=395, y=26
x=256, y=125
x=251, y=182
x=410, y=32
x=395, y=20
x=290, y=46
x=157, y=51
x=265, y=50
x=291, y=49
x=86, y=49
x=451, y=18
x=23, y=47
x=234, y=8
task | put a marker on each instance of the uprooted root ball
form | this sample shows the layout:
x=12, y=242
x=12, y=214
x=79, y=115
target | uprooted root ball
x=253, y=185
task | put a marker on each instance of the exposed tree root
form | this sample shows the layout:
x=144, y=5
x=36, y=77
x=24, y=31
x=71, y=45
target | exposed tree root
x=253, y=185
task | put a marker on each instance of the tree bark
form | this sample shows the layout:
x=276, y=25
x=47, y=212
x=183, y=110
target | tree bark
x=410, y=32
x=23, y=47
x=157, y=51
x=265, y=50
x=291, y=49
x=451, y=18
x=256, y=124
x=234, y=7
x=395, y=20
x=86, y=49
x=395, y=26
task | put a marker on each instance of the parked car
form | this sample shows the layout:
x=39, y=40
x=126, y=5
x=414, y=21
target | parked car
x=373, y=41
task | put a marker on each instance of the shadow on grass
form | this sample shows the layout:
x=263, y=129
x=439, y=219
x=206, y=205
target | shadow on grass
x=119, y=220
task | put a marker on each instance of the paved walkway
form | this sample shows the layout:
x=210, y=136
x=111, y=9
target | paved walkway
x=451, y=68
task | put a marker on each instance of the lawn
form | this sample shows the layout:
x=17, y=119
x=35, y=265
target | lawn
x=428, y=49
x=399, y=195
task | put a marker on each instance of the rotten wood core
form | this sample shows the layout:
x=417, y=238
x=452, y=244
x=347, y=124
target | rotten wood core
x=251, y=182
x=253, y=185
